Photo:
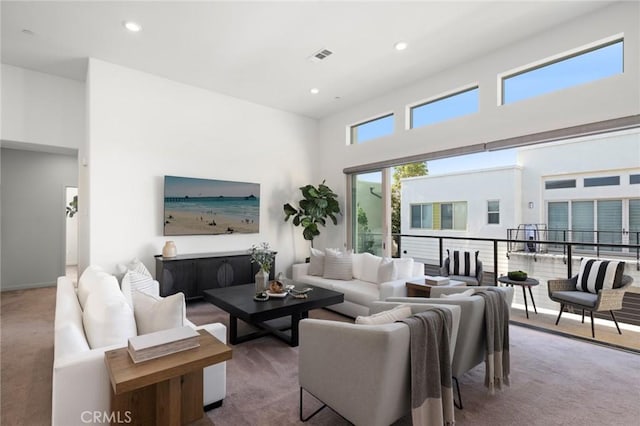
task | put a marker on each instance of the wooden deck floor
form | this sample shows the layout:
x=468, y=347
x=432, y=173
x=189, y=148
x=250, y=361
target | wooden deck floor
x=571, y=325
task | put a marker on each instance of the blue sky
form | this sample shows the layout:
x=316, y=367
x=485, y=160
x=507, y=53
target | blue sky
x=180, y=186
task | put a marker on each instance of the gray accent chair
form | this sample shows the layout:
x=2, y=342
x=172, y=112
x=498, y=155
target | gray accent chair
x=477, y=280
x=470, y=347
x=362, y=372
x=565, y=293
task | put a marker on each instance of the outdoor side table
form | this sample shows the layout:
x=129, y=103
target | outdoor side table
x=529, y=282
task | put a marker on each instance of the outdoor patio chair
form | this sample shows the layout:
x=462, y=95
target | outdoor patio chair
x=466, y=267
x=593, y=294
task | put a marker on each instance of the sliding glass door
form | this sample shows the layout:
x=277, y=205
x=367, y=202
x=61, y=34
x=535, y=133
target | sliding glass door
x=369, y=207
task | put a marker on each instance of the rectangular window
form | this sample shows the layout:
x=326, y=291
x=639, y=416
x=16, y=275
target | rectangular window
x=634, y=179
x=558, y=184
x=602, y=181
x=422, y=216
x=634, y=221
x=583, y=67
x=582, y=222
x=453, y=216
x=558, y=220
x=446, y=108
x=372, y=129
x=610, y=223
x=493, y=212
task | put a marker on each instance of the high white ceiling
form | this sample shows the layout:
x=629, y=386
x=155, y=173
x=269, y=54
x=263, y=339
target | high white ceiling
x=259, y=50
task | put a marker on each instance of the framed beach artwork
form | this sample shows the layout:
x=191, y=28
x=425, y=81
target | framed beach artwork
x=210, y=207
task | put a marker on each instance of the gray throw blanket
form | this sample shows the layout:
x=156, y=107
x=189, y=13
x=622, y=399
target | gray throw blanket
x=431, y=390
x=496, y=320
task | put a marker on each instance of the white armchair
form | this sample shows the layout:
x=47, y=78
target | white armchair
x=360, y=371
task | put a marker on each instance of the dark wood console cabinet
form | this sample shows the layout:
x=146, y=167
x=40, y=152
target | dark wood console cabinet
x=194, y=273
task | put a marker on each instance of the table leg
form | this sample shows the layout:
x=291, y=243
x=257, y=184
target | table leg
x=295, y=320
x=533, y=301
x=233, y=329
x=168, y=402
x=526, y=308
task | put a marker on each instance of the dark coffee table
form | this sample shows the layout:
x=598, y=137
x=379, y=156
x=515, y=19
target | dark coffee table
x=238, y=302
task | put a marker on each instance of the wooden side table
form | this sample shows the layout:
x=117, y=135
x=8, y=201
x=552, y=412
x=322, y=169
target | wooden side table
x=162, y=391
x=418, y=288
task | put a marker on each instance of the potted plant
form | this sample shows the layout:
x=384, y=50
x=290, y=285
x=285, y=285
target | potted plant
x=263, y=256
x=317, y=205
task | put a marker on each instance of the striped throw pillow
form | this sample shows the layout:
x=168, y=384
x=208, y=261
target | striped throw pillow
x=595, y=275
x=338, y=265
x=463, y=263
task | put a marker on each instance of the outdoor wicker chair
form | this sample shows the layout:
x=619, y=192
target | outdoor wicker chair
x=565, y=293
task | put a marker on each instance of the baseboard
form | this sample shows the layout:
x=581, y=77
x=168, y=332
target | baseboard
x=26, y=286
x=213, y=405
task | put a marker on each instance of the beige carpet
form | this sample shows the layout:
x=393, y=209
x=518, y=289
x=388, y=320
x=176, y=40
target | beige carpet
x=555, y=380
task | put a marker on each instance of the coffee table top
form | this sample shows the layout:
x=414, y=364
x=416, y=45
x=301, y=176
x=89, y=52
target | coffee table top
x=238, y=300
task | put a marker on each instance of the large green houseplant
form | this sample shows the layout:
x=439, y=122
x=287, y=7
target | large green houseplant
x=317, y=205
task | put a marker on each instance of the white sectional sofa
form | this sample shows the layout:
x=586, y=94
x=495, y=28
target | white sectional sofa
x=367, y=282
x=81, y=384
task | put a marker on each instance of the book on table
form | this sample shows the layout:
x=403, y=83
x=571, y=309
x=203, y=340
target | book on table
x=165, y=342
x=436, y=280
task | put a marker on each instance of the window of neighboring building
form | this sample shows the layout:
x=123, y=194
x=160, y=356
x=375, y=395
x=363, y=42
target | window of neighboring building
x=634, y=179
x=602, y=181
x=451, y=216
x=582, y=67
x=558, y=184
x=634, y=221
x=558, y=221
x=493, y=212
x=378, y=127
x=445, y=108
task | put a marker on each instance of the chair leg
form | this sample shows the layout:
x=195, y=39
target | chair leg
x=583, y=316
x=560, y=313
x=616, y=321
x=593, y=331
x=457, y=403
x=302, y=419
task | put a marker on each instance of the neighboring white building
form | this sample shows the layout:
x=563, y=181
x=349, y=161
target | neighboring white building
x=586, y=184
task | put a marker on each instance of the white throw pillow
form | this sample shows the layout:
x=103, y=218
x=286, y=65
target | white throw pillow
x=338, y=265
x=93, y=280
x=108, y=319
x=154, y=313
x=404, y=268
x=357, y=260
x=134, y=281
x=370, y=264
x=386, y=270
x=462, y=294
x=135, y=266
x=316, y=262
x=386, y=317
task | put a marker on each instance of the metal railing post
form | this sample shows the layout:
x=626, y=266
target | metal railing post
x=495, y=262
x=440, y=251
x=569, y=272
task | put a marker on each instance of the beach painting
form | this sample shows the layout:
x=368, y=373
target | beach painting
x=210, y=207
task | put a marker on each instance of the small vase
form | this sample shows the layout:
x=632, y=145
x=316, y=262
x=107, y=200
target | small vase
x=262, y=281
x=169, y=249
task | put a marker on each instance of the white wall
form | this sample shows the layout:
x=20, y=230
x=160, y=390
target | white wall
x=142, y=127
x=604, y=155
x=33, y=216
x=42, y=109
x=616, y=96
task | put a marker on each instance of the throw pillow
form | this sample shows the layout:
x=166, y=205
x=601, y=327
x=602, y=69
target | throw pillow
x=316, y=262
x=370, y=264
x=596, y=275
x=94, y=279
x=357, y=260
x=134, y=281
x=386, y=270
x=108, y=319
x=465, y=293
x=463, y=263
x=404, y=268
x=155, y=313
x=338, y=265
x=135, y=265
x=386, y=317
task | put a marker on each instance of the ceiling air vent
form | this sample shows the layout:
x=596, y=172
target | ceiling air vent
x=320, y=55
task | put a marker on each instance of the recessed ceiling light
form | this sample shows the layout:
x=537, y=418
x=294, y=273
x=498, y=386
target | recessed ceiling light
x=401, y=45
x=134, y=27
x=314, y=91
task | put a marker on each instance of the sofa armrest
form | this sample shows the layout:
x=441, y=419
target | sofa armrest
x=215, y=376
x=358, y=358
x=299, y=269
x=396, y=288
